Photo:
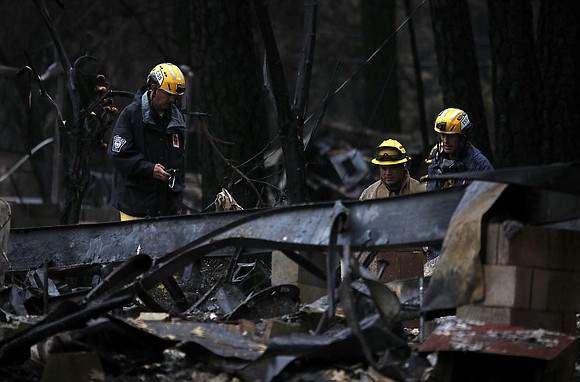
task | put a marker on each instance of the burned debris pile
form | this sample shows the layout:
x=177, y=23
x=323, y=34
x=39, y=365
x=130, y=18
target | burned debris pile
x=198, y=296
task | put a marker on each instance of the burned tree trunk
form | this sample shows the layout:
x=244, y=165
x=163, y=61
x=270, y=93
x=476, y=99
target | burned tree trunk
x=290, y=118
x=230, y=92
x=423, y=124
x=535, y=81
x=75, y=155
x=5, y=217
x=558, y=58
x=381, y=84
x=70, y=133
x=87, y=117
x=457, y=64
x=514, y=83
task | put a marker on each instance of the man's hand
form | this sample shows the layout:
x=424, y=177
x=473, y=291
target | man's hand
x=159, y=173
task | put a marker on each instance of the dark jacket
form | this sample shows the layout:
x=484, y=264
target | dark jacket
x=472, y=160
x=141, y=138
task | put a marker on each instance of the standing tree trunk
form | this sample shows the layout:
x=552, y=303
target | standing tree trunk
x=423, y=124
x=74, y=153
x=5, y=222
x=290, y=117
x=514, y=83
x=457, y=63
x=231, y=93
x=558, y=59
x=381, y=86
x=535, y=81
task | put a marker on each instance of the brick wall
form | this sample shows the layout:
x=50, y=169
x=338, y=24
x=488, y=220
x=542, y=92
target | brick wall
x=532, y=278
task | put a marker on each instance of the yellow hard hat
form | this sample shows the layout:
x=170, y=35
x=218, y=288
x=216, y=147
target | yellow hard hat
x=390, y=152
x=167, y=77
x=452, y=121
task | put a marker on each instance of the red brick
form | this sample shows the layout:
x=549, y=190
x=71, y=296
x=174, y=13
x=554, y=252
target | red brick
x=402, y=264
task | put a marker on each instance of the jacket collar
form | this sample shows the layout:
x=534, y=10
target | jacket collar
x=176, y=118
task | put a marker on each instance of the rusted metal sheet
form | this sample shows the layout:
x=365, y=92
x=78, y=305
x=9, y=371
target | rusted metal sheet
x=403, y=221
x=257, y=358
x=534, y=197
x=213, y=337
x=469, y=336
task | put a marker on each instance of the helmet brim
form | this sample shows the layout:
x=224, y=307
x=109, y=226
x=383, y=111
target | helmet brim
x=172, y=93
x=389, y=163
x=446, y=132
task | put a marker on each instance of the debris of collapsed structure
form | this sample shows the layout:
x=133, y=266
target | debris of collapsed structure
x=88, y=291
x=521, y=354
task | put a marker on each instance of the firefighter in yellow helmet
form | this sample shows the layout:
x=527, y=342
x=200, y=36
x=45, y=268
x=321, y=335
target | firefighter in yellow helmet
x=148, y=148
x=454, y=152
x=391, y=158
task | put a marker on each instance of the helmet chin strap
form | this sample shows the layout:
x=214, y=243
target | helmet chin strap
x=154, y=89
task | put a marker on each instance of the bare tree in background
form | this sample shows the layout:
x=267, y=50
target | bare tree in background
x=514, y=83
x=82, y=123
x=290, y=115
x=235, y=133
x=558, y=60
x=535, y=81
x=457, y=64
x=423, y=123
x=381, y=103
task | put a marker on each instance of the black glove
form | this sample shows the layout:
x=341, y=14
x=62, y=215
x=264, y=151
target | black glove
x=449, y=165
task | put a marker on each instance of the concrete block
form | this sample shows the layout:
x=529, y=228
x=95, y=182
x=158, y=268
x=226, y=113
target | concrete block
x=510, y=243
x=490, y=240
x=286, y=271
x=555, y=291
x=507, y=286
x=564, y=322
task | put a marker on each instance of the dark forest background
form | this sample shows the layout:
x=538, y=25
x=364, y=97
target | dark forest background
x=375, y=70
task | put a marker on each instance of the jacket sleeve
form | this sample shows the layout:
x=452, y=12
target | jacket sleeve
x=369, y=192
x=482, y=163
x=430, y=186
x=127, y=158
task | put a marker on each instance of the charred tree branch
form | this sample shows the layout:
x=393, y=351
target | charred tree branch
x=288, y=124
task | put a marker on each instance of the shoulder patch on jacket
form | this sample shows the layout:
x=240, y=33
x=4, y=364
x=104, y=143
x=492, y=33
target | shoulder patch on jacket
x=118, y=143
